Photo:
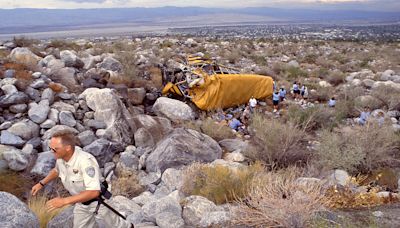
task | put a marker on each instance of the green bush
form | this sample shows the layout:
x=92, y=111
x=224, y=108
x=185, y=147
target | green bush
x=313, y=118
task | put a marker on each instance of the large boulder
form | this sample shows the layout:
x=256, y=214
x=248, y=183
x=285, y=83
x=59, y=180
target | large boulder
x=66, y=76
x=173, y=109
x=111, y=64
x=14, y=213
x=15, y=159
x=38, y=112
x=103, y=150
x=25, y=129
x=368, y=101
x=24, y=56
x=162, y=205
x=63, y=220
x=110, y=109
x=70, y=59
x=156, y=127
x=44, y=163
x=183, y=147
x=136, y=95
x=195, y=208
x=49, y=133
x=7, y=138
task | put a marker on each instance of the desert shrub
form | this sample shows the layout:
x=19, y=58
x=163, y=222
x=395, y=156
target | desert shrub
x=313, y=118
x=233, y=56
x=211, y=128
x=293, y=73
x=360, y=150
x=345, y=109
x=277, y=200
x=64, y=45
x=37, y=204
x=259, y=59
x=278, y=68
x=277, y=143
x=388, y=95
x=127, y=184
x=310, y=58
x=322, y=94
x=335, y=78
x=130, y=70
x=24, y=42
x=216, y=131
x=219, y=183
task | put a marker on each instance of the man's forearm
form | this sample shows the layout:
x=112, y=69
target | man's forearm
x=82, y=197
x=53, y=174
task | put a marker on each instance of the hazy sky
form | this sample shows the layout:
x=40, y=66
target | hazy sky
x=382, y=5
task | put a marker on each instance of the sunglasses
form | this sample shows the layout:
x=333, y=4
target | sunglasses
x=53, y=150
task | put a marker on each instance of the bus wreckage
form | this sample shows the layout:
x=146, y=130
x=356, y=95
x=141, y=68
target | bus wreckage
x=211, y=86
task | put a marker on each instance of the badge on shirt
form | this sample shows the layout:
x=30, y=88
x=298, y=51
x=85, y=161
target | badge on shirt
x=75, y=171
x=90, y=171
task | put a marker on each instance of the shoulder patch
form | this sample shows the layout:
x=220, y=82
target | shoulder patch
x=90, y=171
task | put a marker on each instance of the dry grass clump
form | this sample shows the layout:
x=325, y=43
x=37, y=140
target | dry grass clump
x=126, y=184
x=130, y=70
x=219, y=184
x=24, y=42
x=37, y=204
x=277, y=200
x=335, y=78
x=360, y=150
x=388, y=95
x=279, y=144
x=14, y=183
x=63, y=45
x=322, y=94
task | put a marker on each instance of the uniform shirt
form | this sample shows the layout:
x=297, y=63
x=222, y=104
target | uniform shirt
x=332, y=103
x=295, y=87
x=80, y=173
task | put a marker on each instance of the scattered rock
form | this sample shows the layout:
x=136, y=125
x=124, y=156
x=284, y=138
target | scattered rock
x=15, y=213
x=173, y=109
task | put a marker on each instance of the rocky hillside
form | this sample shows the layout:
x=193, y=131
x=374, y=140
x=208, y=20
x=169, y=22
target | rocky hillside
x=174, y=166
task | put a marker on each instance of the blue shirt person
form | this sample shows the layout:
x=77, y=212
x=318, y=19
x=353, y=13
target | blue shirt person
x=364, y=117
x=332, y=102
x=235, y=124
x=282, y=93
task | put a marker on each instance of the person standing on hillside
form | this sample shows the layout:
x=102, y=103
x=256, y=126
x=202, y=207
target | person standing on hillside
x=80, y=174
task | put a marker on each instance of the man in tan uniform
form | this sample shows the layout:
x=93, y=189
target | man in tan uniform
x=80, y=175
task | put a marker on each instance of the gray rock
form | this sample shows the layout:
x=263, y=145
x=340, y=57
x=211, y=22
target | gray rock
x=386, y=75
x=38, y=112
x=232, y=145
x=48, y=124
x=183, y=147
x=156, y=207
x=173, y=109
x=14, y=213
x=53, y=115
x=128, y=161
x=38, y=84
x=8, y=81
x=12, y=99
x=96, y=124
x=143, y=198
x=132, y=210
x=25, y=129
x=33, y=94
x=368, y=100
x=5, y=125
x=215, y=218
x=149, y=178
x=63, y=220
x=143, y=138
x=15, y=158
x=70, y=59
x=103, y=150
x=7, y=138
x=136, y=95
x=339, y=177
x=86, y=137
x=57, y=128
x=9, y=89
x=67, y=118
x=112, y=64
x=172, y=179
x=44, y=163
x=62, y=106
x=110, y=109
x=293, y=63
x=48, y=94
x=54, y=65
x=66, y=76
x=368, y=83
x=19, y=108
x=36, y=75
x=196, y=208
x=169, y=220
x=157, y=127
x=24, y=56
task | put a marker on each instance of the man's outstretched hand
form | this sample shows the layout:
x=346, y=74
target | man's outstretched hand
x=55, y=203
x=36, y=188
